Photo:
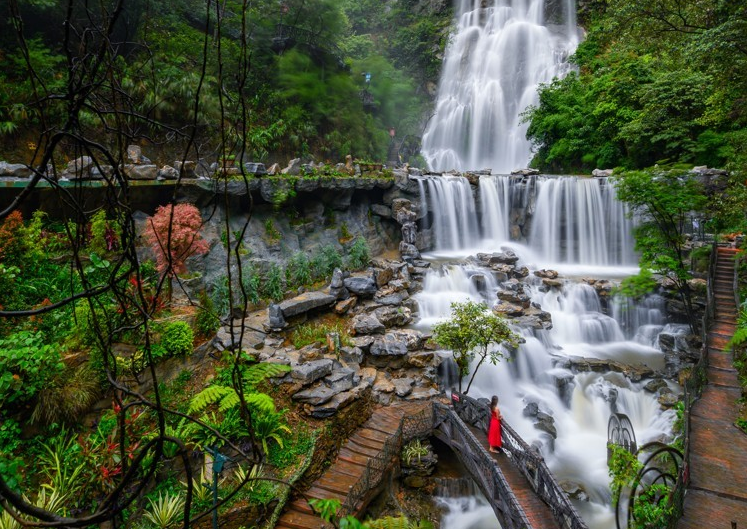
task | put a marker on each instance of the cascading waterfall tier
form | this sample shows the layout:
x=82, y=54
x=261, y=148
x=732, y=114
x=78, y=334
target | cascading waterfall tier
x=569, y=220
x=501, y=52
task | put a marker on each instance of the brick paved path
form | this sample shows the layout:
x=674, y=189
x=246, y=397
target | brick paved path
x=717, y=496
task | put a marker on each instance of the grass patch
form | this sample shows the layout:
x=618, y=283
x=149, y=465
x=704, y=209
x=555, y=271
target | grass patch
x=317, y=332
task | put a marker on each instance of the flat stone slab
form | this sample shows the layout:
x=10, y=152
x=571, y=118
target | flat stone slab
x=305, y=302
x=310, y=372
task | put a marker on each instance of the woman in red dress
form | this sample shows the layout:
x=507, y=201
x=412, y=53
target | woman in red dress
x=494, y=428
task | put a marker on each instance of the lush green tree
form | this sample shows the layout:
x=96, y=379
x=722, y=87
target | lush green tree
x=662, y=201
x=474, y=331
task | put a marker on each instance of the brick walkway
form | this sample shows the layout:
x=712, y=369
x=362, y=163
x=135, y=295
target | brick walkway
x=717, y=496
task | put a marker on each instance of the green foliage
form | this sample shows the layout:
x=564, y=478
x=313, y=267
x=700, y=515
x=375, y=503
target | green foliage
x=296, y=447
x=415, y=449
x=471, y=331
x=663, y=200
x=164, y=512
x=67, y=396
x=326, y=508
x=206, y=320
x=298, y=270
x=324, y=262
x=314, y=332
x=273, y=287
x=623, y=468
x=639, y=285
x=271, y=230
x=104, y=236
x=178, y=338
x=269, y=425
x=359, y=254
x=27, y=364
x=652, y=506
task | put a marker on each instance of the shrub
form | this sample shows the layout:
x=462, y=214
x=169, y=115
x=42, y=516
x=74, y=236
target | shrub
x=178, y=338
x=310, y=333
x=26, y=366
x=12, y=244
x=325, y=262
x=206, y=321
x=103, y=234
x=182, y=222
x=67, y=396
x=359, y=254
x=251, y=283
x=298, y=270
x=273, y=286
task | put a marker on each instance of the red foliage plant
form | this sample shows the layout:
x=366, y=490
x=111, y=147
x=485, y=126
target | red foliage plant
x=11, y=239
x=185, y=239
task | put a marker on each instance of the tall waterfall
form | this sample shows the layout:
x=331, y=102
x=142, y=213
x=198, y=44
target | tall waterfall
x=502, y=51
x=569, y=220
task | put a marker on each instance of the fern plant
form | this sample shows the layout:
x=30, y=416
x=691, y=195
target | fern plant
x=226, y=397
x=740, y=333
x=269, y=426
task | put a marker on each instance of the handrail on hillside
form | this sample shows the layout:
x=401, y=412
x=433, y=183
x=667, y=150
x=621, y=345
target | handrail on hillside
x=526, y=458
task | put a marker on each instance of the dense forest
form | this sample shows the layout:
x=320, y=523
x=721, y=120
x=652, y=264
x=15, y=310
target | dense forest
x=657, y=82
x=316, y=77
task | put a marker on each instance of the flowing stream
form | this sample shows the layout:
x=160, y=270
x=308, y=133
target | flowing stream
x=500, y=53
x=575, y=225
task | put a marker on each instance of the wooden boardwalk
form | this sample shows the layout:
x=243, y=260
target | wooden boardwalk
x=538, y=512
x=717, y=495
x=366, y=442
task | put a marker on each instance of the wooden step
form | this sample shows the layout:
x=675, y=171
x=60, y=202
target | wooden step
x=299, y=520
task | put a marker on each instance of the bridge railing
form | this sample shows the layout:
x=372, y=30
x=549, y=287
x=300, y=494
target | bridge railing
x=483, y=469
x=378, y=467
x=527, y=459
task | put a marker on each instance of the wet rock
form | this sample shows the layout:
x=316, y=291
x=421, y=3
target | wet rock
x=574, y=490
x=408, y=251
x=305, y=302
x=168, y=173
x=311, y=352
x=397, y=343
x=16, y=170
x=652, y=386
x=361, y=284
x=552, y=283
x=337, y=285
x=525, y=172
x=420, y=359
x=310, y=372
x=342, y=307
x=364, y=342
x=508, y=309
x=546, y=274
x=351, y=355
x=275, y=317
x=341, y=380
x=531, y=409
x=514, y=298
x=602, y=172
x=367, y=324
x=141, y=172
x=391, y=295
x=332, y=406
x=381, y=210
x=546, y=423
x=394, y=316
x=403, y=386
x=293, y=168
x=667, y=400
x=520, y=273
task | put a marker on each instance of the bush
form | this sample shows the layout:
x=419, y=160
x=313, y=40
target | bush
x=325, y=262
x=317, y=333
x=178, y=338
x=26, y=366
x=273, y=286
x=298, y=270
x=206, y=321
x=359, y=255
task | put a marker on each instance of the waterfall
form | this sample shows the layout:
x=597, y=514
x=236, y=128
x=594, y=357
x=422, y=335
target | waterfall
x=561, y=219
x=501, y=52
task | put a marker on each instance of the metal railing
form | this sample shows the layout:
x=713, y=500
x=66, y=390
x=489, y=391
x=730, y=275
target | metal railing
x=481, y=467
x=526, y=458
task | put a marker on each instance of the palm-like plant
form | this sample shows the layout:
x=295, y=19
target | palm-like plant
x=269, y=425
x=165, y=512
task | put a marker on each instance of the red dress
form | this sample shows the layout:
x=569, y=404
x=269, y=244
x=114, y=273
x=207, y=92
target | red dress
x=494, y=430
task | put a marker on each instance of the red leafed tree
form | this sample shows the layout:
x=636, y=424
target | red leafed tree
x=183, y=239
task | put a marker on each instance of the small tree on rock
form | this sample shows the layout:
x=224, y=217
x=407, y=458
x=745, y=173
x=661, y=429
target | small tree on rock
x=174, y=234
x=471, y=331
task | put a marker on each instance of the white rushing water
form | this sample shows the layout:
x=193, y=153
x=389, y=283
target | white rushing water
x=501, y=52
x=568, y=223
x=539, y=374
x=567, y=220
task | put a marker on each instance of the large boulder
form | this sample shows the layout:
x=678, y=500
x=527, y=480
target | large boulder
x=397, y=343
x=305, y=302
x=16, y=170
x=394, y=316
x=367, y=324
x=310, y=372
x=361, y=284
x=141, y=172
